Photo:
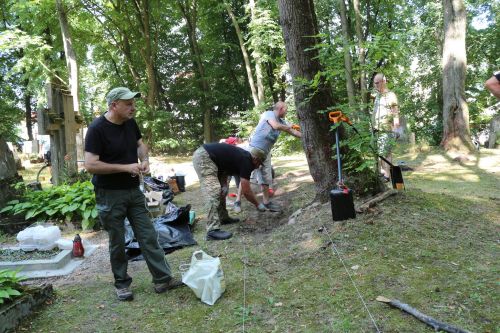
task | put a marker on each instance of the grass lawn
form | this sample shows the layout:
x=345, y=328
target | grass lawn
x=434, y=246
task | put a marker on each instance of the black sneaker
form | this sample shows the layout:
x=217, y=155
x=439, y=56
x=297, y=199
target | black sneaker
x=218, y=234
x=271, y=206
x=229, y=220
x=124, y=294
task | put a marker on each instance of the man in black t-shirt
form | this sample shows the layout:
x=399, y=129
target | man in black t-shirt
x=213, y=163
x=113, y=145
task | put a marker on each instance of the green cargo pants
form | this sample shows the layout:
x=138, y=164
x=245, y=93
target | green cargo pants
x=213, y=186
x=113, y=207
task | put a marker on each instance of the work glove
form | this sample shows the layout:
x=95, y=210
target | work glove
x=261, y=207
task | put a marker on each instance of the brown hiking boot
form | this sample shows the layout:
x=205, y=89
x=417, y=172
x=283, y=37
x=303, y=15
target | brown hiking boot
x=170, y=284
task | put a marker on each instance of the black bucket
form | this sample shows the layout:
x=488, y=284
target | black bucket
x=342, y=204
x=397, y=177
x=181, y=183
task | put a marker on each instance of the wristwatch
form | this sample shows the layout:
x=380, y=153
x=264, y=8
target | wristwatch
x=497, y=75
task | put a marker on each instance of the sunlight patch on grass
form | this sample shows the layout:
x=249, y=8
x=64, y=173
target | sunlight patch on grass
x=311, y=244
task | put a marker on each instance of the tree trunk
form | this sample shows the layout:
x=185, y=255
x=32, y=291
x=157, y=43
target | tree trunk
x=70, y=54
x=347, y=53
x=142, y=13
x=257, y=58
x=298, y=20
x=270, y=81
x=188, y=9
x=27, y=106
x=361, y=56
x=244, y=52
x=456, y=133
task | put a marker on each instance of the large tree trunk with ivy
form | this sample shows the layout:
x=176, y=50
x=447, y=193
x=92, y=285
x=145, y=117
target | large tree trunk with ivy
x=456, y=133
x=298, y=20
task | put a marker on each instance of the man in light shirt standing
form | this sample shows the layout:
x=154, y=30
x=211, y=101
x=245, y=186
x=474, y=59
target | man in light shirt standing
x=385, y=121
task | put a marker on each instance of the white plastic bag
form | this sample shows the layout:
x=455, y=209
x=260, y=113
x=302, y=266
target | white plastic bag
x=205, y=277
x=38, y=238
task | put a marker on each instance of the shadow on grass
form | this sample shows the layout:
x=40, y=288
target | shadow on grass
x=434, y=251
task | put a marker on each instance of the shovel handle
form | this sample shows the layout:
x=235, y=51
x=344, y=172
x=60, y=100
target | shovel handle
x=334, y=116
x=338, y=116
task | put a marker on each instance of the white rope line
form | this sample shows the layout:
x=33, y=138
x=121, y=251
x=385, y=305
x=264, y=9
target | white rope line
x=335, y=251
x=244, y=282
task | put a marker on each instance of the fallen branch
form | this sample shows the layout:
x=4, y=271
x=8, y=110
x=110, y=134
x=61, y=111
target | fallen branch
x=370, y=203
x=437, y=325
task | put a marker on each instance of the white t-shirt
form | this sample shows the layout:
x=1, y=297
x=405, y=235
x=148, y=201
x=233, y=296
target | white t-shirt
x=383, y=115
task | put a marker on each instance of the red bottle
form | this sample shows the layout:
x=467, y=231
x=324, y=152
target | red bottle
x=78, y=250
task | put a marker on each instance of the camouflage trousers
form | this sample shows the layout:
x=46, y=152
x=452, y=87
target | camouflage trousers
x=214, y=188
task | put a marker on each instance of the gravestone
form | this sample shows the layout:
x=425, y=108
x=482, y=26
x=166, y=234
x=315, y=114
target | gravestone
x=61, y=122
x=8, y=173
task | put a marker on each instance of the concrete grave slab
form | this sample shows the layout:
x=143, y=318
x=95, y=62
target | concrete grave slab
x=61, y=264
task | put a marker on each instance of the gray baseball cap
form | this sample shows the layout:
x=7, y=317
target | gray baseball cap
x=121, y=93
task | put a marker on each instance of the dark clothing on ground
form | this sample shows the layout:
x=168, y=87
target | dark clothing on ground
x=230, y=160
x=115, y=144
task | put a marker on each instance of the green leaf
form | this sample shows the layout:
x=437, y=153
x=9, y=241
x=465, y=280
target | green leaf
x=73, y=207
x=86, y=224
x=6, y=209
x=30, y=214
x=50, y=212
x=12, y=292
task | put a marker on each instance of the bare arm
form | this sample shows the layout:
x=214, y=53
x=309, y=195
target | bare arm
x=395, y=112
x=285, y=128
x=246, y=190
x=142, y=152
x=95, y=166
x=493, y=85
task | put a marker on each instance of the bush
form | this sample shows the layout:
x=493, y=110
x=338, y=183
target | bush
x=64, y=202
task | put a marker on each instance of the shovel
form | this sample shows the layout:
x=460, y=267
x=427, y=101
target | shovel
x=395, y=170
